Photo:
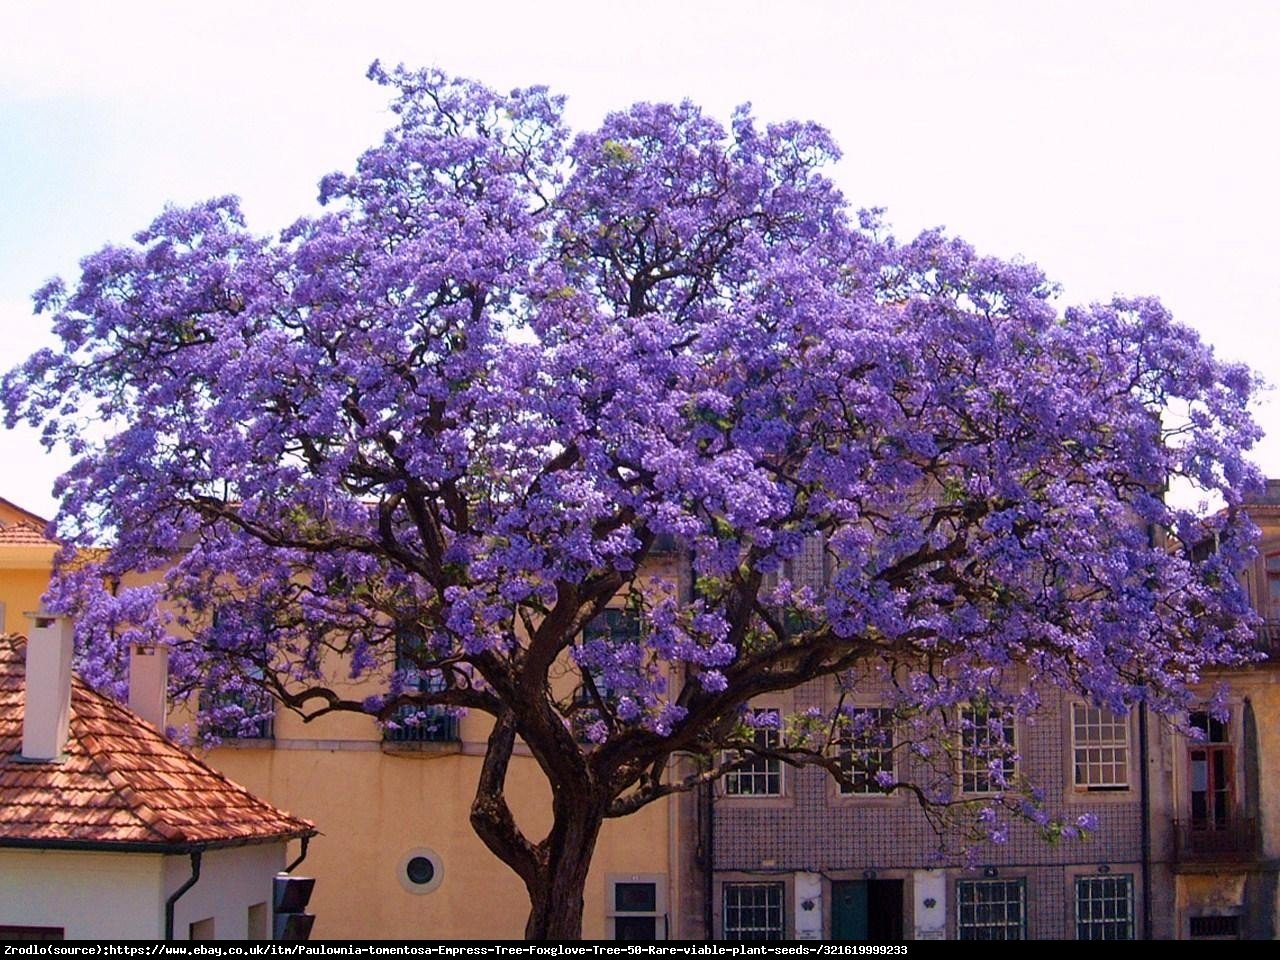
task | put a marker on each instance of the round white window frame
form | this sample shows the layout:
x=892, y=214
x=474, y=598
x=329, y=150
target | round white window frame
x=418, y=889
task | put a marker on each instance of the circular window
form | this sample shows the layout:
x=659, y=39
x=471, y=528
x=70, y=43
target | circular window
x=420, y=870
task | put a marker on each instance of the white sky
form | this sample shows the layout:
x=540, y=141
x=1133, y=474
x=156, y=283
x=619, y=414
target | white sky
x=1124, y=147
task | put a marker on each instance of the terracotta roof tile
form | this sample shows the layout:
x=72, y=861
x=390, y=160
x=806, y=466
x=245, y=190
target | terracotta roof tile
x=22, y=533
x=120, y=782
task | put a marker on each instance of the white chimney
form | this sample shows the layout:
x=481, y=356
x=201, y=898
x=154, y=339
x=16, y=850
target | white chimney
x=148, y=682
x=48, y=695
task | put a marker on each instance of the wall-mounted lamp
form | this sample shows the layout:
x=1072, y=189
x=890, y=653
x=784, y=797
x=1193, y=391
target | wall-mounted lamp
x=868, y=874
x=990, y=872
x=1104, y=868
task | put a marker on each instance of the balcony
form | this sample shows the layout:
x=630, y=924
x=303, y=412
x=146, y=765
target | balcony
x=1201, y=844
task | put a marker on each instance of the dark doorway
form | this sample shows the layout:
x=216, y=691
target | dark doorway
x=866, y=910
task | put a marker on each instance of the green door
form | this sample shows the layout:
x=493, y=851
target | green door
x=849, y=910
x=866, y=910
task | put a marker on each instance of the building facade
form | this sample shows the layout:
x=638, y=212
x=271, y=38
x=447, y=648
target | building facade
x=797, y=856
x=1187, y=842
x=1225, y=803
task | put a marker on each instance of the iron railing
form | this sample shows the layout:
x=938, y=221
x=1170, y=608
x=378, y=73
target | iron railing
x=1198, y=842
x=422, y=725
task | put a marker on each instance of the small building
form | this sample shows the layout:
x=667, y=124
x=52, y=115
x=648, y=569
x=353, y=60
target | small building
x=108, y=830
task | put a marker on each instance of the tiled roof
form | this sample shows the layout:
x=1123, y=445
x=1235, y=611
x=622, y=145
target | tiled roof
x=24, y=534
x=121, y=783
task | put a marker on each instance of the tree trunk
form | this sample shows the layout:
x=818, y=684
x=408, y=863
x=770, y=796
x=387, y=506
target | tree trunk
x=556, y=893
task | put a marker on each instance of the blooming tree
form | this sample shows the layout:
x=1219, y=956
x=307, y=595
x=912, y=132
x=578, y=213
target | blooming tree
x=454, y=416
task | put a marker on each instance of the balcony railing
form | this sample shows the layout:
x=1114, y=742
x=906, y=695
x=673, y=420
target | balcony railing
x=1232, y=842
x=422, y=725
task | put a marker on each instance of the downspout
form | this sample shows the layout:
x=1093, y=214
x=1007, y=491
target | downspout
x=708, y=908
x=306, y=840
x=1144, y=789
x=708, y=819
x=173, y=899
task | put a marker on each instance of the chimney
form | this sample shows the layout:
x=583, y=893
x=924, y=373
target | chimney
x=148, y=682
x=48, y=695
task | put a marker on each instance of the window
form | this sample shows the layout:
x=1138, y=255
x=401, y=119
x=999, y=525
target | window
x=414, y=723
x=1104, y=907
x=986, y=750
x=1215, y=928
x=244, y=713
x=753, y=911
x=991, y=910
x=614, y=626
x=420, y=870
x=760, y=776
x=1100, y=748
x=635, y=905
x=1211, y=763
x=235, y=705
x=201, y=929
x=866, y=749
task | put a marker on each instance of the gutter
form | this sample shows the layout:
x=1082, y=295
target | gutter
x=172, y=902
x=136, y=846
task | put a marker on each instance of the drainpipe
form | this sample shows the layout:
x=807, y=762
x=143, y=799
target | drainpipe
x=1144, y=789
x=1144, y=784
x=172, y=902
x=709, y=815
x=301, y=856
x=708, y=908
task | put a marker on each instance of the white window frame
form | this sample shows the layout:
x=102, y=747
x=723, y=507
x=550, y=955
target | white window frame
x=994, y=930
x=765, y=768
x=769, y=888
x=1090, y=755
x=848, y=745
x=969, y=765
x=1103, y=923
x=659, y=911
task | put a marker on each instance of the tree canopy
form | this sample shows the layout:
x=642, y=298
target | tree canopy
x=460, y=410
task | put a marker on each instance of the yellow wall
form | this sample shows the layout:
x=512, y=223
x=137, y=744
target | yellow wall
x=24, y=570
x=22, y=586
x=372, y=807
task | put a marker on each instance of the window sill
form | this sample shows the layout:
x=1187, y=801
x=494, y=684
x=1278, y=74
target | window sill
x=421, y=748
x=247, y=743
